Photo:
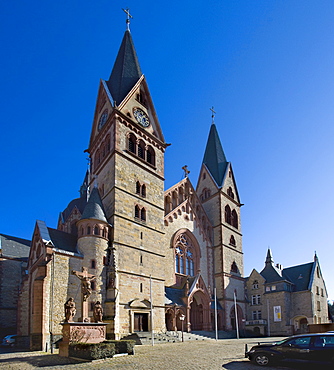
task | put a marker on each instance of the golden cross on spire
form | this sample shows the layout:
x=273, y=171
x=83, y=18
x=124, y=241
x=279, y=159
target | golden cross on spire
x=213, y=114
x=128, y=16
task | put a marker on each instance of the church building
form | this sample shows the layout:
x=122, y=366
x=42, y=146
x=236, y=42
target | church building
x=157, y=255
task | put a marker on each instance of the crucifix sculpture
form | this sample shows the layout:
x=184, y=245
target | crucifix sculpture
x=86, y=290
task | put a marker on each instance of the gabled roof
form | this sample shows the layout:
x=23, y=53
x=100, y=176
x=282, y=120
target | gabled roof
x=13, y=247
x=94, y=208
x=126, y=71
x=214, y=157
x=57, y=239
x=299, y=275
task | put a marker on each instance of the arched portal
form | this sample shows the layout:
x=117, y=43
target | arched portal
x=232, y=317
x=300, y=325
x=169, y=319
x=200, y=312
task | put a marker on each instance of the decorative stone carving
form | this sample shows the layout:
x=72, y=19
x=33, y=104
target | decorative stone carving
x=86, y=279
x=70, y=310
x=98, y=312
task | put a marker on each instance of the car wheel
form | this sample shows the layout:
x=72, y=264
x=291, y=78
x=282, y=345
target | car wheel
x=261, y=359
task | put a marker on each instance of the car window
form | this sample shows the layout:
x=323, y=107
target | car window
x=302, y=342
x=324, y=341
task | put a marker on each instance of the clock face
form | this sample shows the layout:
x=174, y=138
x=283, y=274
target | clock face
x=103, y=119
x=141, y=117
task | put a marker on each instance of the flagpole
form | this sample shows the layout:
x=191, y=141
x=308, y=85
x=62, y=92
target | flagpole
x=151, y=310
x=216, y=321
x=236, y=315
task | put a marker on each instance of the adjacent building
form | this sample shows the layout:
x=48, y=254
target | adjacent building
x=14, y=254
x=284, y=301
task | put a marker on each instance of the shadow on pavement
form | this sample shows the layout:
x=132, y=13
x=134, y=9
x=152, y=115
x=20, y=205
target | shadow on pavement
x=40, y=360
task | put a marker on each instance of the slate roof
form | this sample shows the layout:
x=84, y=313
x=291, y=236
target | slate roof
x=214, y=157
x=94, y=208
x=174, y=296
x=13, y=247
x=126, y=71
x=63, y=241
x=299, y=275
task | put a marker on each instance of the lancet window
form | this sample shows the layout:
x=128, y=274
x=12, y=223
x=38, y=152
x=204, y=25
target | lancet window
x=184, y=256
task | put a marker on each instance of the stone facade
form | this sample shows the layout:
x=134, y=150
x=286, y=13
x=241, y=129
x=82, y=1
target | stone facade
x=286, y=301
x=158, y=257
x=13, y=263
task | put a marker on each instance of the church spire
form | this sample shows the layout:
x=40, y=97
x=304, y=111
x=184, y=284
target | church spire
x=214, y=157
x=126, y=71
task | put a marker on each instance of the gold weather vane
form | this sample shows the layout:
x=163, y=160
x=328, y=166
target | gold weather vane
x=128, y=16
x=213, y=114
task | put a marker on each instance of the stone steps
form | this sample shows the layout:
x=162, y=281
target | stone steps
x=176, y=336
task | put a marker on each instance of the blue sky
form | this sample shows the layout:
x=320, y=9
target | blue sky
x=266, y=67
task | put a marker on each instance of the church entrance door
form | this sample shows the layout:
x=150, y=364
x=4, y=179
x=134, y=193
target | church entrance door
x=200, y=312
x=141, y=322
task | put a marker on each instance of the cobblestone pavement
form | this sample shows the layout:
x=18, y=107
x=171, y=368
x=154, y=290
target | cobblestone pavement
x=192, y=355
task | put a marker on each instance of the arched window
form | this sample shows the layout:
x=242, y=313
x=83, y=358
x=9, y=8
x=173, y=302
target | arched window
x=104, y=232
x=137, y=211
x=132, y=143
x=143, y=214
x=138, y=187
x=88, y=230
x=143, y=190
x=96, y=231
x=93, y=285
x=92, y=264
x=82, y=231
x=234, y=219
x=108, y=144
x=234, y=267
x=255, y=284
x=230, y=192
x=184, y=256
x=232, y=240
x=141, y=150
x=150, y=155
x=228, y=214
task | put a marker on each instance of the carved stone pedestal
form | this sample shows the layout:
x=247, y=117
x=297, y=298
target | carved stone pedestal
x=82, y=332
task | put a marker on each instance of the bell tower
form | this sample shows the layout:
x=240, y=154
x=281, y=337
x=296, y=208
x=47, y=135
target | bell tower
x=126, y=150
x=219, y=195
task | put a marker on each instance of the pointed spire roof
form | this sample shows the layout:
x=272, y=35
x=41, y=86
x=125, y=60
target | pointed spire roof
x=214, y=157
x=269, y=258
x=94, y=208
x=84, y=187
x=126, y=71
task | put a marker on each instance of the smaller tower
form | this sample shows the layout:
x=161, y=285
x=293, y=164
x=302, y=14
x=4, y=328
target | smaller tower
x=93, y=241
x=217, y=190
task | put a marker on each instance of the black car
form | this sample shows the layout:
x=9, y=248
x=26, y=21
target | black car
x=306, y=347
